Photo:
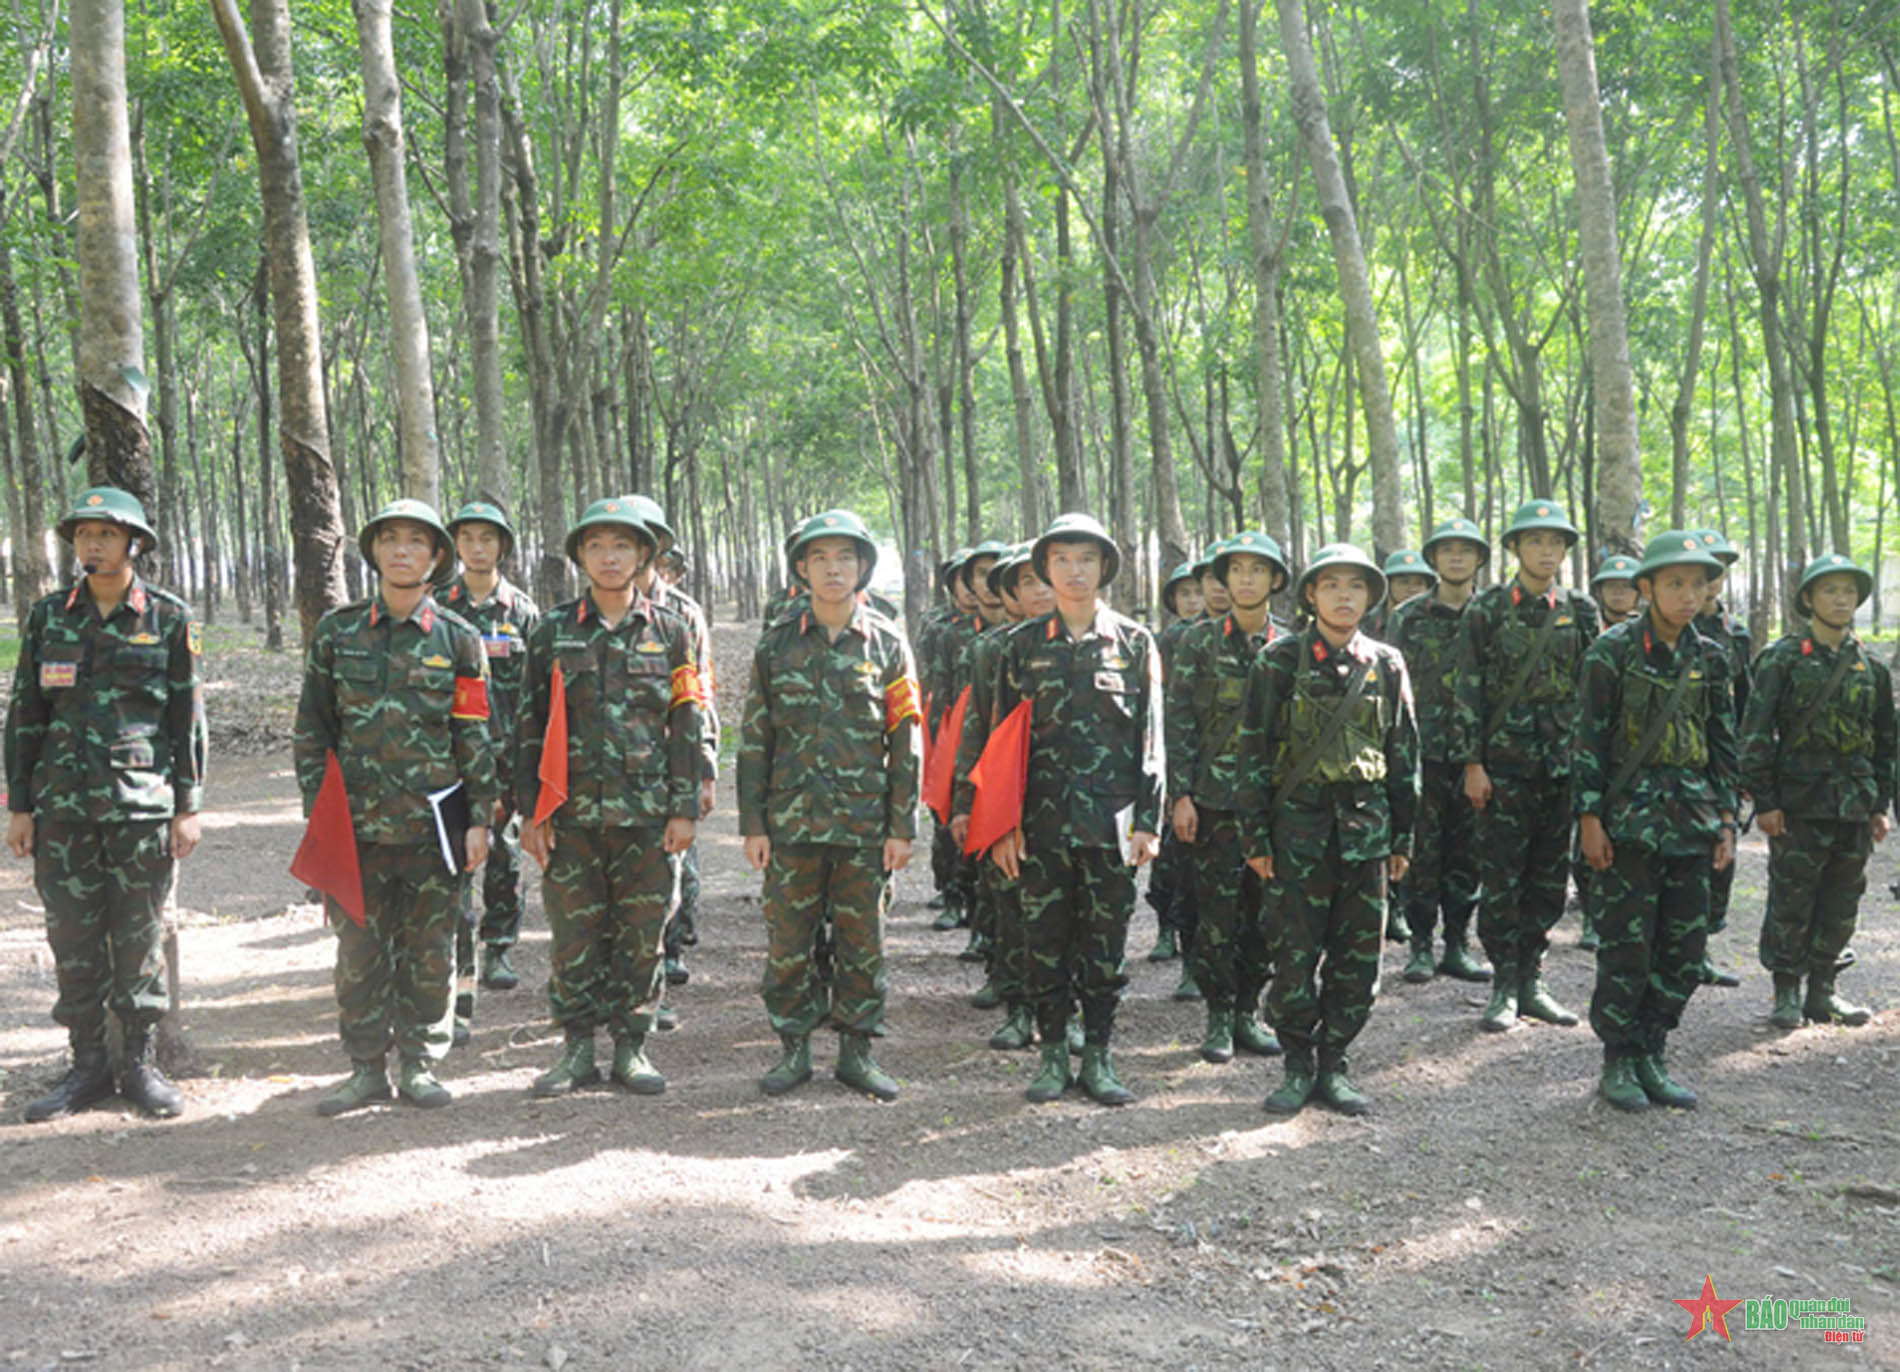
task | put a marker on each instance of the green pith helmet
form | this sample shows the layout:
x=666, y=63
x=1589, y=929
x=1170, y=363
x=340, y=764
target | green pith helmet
x=615, y=509
x=1539, y=514
x=1210, y=555
x=989, y=547
x=1717, y=542
x=110, y=505
x=1406, y=562
x=1334, y=556
x=1677, y=548
x=487, y=513
x=1826, y=565
x=1002, y=573
x=1185, y=572
x=1617, y=568
x=838, y=524
x=1257, y=542
x=653, y=520
x=1073, y=528
x=1457, y=528
x=419, y=511
x=946, y=569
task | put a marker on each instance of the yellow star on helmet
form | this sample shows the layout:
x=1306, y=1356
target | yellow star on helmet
x=1543, y=509
x=95, y=500
x=1688, y=544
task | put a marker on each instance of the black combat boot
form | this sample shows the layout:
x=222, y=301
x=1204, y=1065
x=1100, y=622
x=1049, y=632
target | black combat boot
x=141, y=1081
x=87, y=1082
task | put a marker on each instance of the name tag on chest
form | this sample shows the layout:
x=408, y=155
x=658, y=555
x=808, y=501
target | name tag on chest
x=56, y=676
x=498, y=645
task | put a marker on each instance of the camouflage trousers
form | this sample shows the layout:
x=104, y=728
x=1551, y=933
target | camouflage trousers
x=1076, y=904
x=1721, y=886
x=1444, y=871
x=803, y=884
x=609, y=892
x=1649, y=911
x=682, y=932
x=501, y=909
x=1329, y=925
x=393, y=972
x=105, y=887
x=1523, y=840
x=1009, y=950
x=1171, y=889
x=1230, y=958
x=1817, y=870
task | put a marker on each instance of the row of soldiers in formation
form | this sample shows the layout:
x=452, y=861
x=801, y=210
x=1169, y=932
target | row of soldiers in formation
x=1549, y=728
x=1291, y=767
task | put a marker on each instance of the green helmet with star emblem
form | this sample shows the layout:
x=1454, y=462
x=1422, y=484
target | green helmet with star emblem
x=615, y=509
x=838, y=524
x=419, y=512
x=110, y=505
x=1717, y=542
x=1677, y=548
x=1457, y=528
x=1620, y=567
x=1184, y=572
x=1075, y=527
x=485, y=512
x=1334, y=556
x=1408, y=562
x=1539, y=514
x=989, y=547
x=1827, y=565
x=653, y=520
x=1256, y=541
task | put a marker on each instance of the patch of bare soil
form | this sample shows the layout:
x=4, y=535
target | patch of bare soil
x=1490, y=1213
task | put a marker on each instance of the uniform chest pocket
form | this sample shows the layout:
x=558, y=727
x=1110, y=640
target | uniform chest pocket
x=1231, y=691
x=580, y=674
x=431, y=681
x=359, y=681
x=1115, y=694
x=647, y=679
x=59, y=666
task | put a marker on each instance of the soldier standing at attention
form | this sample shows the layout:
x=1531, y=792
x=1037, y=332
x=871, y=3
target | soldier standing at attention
x=1443, y=878
x=504, y=615
x=1407, y=574
x=105, y=756
x=1181, y=598
x=1655, y=800
x=627, y=786
x=1715, y=622
x=1092, y=802
x=1614, y=587
x=1206, y=690
x=1818, y=756
x=944, y=854
x=1518, y=653
x=828, y=781
x=397, y=688
x=949, y=676
x=1329, y=797
x=664, y=591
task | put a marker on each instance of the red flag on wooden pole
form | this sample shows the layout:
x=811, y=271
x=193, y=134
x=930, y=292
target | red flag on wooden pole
x=1000, y=776
x=553, y=770
x=940, y=771
x=326, y=859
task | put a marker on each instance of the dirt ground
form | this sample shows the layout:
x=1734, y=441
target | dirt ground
x=1489, y=1213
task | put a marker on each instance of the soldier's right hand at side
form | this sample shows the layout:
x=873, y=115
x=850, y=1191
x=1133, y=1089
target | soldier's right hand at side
x=758, y=851
x=1597, y=849
x=1187, y=820
x=537, y=841
x=1007, y=853
x=1772, y=823
x=1477, y=785
x=960, y=830
x=20, y=834
x=1262, y=867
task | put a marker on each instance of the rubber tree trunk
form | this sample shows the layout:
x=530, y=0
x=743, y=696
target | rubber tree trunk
x=1619, y=467
x=1264, y=249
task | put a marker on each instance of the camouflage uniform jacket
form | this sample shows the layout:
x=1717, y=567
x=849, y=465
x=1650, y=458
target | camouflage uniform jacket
x=634, y=698
x=1364, y=788
x=699, y=635
x=985, y=651
x=946, y=680
x=1206, y=699
x=1733, y=636
x=1095, y=739
x=504, y=621
x=1169, y=639
x=1674, y=801
x=828, y=745
x=404, y=702
x=107, y=722
x=1842, y=764
x=1425, y=629
x=1499, y=627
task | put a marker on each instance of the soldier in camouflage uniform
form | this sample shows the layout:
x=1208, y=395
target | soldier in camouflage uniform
x=1717, y=623
x=609, y=852
x=105, y=757
x=1206, y=690
x=943, y=849
x=682, y=930
x=1214, y=599
x=1817, y=754
x=1443, y=878
x=397, y=688
x=1093, y=799
x=504, y=615
x=947, y=679
x=1655, y=799
x=1519, y=647
x=1614, y=589
x=1181, y=598
x=1407, y=574
x=1329, y=796
x=829, y=769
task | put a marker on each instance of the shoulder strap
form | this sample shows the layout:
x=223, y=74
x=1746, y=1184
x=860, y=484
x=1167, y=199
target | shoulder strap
x=1799, y=730
x=1514, y=692
x=1304, y=764
x=1652, y=735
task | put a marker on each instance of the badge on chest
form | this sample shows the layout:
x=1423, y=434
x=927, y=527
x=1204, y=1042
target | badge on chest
x=57, y=676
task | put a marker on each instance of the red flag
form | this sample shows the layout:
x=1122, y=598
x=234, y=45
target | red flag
x=1000, y=776
x=553, y=772
x=326, y=859
x=940, y=771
